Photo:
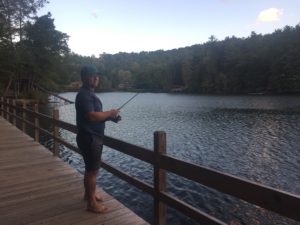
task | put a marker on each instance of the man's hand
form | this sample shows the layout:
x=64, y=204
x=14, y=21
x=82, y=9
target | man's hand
x=114, y=113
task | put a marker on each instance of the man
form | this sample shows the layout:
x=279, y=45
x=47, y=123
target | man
x=90, y=120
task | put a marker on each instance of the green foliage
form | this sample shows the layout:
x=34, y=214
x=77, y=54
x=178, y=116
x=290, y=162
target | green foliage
x=260, y=63
x=42, y=50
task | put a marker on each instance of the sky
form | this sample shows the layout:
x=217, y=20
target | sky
x=112, y=26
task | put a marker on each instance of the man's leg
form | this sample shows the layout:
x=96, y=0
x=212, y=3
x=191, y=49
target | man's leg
x=98, y=197
x=90, y=192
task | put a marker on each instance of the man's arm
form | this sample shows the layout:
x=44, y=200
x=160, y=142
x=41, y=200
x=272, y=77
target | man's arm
x=102, y=116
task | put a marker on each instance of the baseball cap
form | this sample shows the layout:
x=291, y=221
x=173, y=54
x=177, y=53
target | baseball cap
x=89, y=71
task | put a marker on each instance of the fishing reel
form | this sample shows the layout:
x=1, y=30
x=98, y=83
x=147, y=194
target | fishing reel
x=116, y=119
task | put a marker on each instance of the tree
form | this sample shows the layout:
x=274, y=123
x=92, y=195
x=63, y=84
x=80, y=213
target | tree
x=13, y=16
x=42, y=49
x=15, y=13
x=212, y=38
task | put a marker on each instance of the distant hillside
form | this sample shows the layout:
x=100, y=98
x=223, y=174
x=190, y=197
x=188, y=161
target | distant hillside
x=256, y=64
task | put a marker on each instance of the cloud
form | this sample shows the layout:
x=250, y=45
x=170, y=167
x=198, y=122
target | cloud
x=270, y=15
x=95, y=14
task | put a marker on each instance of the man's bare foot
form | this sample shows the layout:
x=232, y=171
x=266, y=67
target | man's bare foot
x=98, y=197
x=97, y=208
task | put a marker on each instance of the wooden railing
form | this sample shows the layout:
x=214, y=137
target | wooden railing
x=283, y=203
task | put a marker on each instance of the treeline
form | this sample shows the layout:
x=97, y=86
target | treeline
x=259, y=63
x=32, y=49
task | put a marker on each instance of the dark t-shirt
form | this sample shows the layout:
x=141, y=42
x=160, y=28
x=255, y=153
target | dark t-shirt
x=86, y=101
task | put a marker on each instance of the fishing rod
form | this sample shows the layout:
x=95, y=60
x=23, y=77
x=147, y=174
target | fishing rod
x=118, y=117
x=128, y=101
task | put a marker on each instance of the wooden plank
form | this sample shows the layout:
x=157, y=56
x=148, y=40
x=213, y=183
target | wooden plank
x=114, y=210
x=28, y=178
x=38, y=209
x=34, y=191
x=18, y=145
x=29, y=197
x=39, y=183
x=11, y=163
x=37, y=188
x=76, y=216
x=125, y=219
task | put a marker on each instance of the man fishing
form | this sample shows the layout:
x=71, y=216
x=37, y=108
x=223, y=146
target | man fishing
x=90, y=120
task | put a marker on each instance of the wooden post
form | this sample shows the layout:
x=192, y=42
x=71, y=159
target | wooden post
x=2, y=106
x=14, y=112
x=159, y=178
x=55, y=133
x=10, y=110
x=23, y=116
x=36, y=124
x=7, y=109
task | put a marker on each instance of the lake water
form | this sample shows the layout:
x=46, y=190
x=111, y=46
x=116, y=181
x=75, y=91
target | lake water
x=253, y=137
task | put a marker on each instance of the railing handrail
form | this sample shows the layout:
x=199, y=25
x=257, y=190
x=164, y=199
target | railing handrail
x=281, y=202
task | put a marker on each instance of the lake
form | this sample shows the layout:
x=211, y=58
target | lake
x=252, y=137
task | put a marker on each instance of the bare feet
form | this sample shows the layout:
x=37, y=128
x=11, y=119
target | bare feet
x=97, y=208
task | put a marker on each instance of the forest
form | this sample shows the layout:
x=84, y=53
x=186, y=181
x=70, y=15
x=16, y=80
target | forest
x=32, y=49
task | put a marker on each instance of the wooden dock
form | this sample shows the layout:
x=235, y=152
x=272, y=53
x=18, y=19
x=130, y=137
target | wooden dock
x=38, y=188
